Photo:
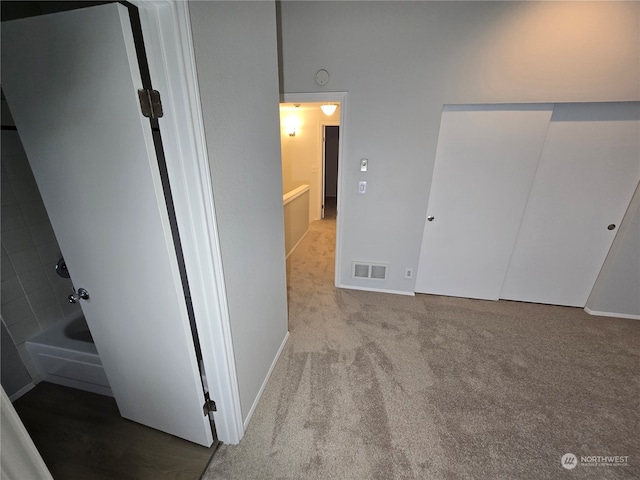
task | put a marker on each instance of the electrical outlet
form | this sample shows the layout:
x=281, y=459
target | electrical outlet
x=362, y=187
x=408, y=273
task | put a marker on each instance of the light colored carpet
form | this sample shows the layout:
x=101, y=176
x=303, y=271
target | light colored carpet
x=378, y=386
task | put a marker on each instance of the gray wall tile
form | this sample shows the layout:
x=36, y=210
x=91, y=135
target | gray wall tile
x=16, y=311
x=24, y=329
x=16, y=240
x=34, y=280
x=8, y=198
x=48, y=316
x=34, y=213
x=25, y=191
x=42, y=299
x=12, y=218
x=11, y=290
x=25, y=260
x=42, y=233
x=7, y=269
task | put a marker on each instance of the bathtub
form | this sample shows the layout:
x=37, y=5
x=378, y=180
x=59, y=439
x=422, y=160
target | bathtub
x=65, y=354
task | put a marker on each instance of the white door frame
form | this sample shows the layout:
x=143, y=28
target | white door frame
x=330, y=97
x=166, y=29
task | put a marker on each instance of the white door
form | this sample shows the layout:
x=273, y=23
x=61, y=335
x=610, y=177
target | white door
x=485, y=164
x=589, y=168
x=71, y=81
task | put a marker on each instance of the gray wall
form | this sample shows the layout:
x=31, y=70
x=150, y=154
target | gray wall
x=401, y=61
x=236, y=58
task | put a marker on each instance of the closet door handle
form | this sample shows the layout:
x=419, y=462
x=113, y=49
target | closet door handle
x=611, y=226
x=431, y=218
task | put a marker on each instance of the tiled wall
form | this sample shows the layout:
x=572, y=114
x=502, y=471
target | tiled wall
x=33, y=295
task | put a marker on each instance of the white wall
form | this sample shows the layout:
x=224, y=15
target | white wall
x=401, y=61
x=236, y=56
x=296, y=217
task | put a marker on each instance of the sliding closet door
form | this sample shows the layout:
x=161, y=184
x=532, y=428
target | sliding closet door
x=485, y=164
x=589, y=168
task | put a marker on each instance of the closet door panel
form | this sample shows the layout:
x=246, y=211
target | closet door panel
x=588, y=170
x=485, y=164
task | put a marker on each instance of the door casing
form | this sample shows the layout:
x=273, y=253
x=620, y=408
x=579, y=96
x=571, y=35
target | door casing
x=331, y=97
x=166, y=29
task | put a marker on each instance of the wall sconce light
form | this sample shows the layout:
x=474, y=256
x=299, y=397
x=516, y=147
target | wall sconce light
x=328, y=109
x=291, y=125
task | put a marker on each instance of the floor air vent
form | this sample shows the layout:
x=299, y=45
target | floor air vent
x=374, y=271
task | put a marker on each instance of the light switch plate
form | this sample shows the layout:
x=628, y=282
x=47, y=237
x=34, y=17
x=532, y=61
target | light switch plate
x=364, y=164
x=362, y=187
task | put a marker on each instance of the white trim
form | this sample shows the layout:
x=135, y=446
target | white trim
x=293, y=194
x=264, y=384
x=378, y=290
x=611, y=314
x=168, y=42
x=26, y=389
x=330, y=97
x=20, y=457
x=297, y=243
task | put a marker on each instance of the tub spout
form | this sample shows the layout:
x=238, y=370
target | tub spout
x=75, y=297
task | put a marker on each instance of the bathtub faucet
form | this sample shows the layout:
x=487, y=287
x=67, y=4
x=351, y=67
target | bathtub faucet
x=75, y=297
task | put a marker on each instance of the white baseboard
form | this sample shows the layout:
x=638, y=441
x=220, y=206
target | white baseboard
x=264, y=384
x=611, y=314
x=22, y=391
x=379, y=290
x=297, y=243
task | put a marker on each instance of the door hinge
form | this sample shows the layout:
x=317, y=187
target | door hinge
x=150, y=103
x=209, y=406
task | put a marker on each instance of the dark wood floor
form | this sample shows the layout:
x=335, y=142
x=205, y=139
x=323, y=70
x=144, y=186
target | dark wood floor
x=81, y=435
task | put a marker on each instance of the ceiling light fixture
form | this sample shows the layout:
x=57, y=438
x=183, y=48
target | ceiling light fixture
x=328, y=109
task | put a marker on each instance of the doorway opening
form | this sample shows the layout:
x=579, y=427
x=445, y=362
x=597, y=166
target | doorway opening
x=312, y=150
x=330, y=148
